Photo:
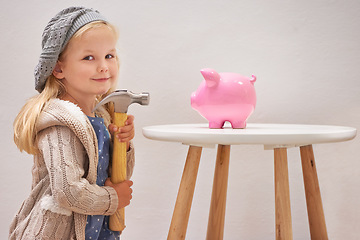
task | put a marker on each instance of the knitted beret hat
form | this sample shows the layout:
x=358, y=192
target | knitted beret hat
x=56, y=35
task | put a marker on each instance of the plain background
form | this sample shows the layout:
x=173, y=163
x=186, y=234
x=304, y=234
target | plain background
x=305, y=55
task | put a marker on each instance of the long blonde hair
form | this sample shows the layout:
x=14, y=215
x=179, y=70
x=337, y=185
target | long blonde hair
x=25, y=134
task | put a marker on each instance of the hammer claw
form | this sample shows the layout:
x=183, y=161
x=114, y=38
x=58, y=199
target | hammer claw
x=123, y=99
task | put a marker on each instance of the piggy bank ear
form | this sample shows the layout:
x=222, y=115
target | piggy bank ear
x=211, y=77
x=253, y=79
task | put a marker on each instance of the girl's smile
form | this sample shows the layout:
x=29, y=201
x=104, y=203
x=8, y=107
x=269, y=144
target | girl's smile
x=101, y=79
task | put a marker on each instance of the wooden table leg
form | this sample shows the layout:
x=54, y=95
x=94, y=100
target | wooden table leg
x=313, y=196
x=282, y=196
x=215, y=229
x=185, y=195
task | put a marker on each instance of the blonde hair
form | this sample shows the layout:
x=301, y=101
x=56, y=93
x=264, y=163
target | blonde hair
x=25, y=133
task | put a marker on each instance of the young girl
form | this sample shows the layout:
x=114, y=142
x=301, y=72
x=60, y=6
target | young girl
x=71, y=195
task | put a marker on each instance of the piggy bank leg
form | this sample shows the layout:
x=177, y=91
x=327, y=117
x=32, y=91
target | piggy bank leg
x=213, y=124
x=238, y=124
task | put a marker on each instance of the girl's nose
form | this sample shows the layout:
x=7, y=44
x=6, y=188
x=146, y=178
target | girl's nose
x=103, y=67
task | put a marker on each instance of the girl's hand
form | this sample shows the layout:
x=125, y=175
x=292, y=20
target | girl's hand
x=126, y=133
x=123, y=191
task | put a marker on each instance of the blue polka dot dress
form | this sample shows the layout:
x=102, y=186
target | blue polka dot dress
x=97, y=225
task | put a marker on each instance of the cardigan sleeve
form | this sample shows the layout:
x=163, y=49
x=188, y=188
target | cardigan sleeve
x=67, y=164
x=130, y=160
x=130, y=157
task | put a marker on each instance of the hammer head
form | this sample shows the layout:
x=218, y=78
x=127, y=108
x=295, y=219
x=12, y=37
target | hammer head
x=123, y=98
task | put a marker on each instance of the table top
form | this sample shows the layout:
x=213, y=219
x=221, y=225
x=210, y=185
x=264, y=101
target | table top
x=269, y=135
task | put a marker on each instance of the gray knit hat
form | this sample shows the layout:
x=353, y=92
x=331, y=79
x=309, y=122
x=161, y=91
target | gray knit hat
x=56, y=35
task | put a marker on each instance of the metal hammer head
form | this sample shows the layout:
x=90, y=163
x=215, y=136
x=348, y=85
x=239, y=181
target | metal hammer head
x=123, y=98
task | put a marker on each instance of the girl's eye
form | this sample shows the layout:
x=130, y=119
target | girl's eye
x=109, y=56
x=88, y=58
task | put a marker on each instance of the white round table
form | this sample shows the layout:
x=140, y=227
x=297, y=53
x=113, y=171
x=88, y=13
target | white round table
x=278, y=137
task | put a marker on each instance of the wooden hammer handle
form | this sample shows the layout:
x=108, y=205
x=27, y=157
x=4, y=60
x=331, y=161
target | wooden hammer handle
x=118, y=172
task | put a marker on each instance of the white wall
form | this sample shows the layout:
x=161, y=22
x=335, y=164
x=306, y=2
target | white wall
x=305, y=55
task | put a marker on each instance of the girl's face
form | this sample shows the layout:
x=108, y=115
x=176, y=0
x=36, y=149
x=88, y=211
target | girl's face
x=89, y=67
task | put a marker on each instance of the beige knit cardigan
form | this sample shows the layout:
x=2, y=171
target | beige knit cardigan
x=64, y=189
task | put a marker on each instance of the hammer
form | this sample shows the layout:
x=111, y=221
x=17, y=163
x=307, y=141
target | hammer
x=121, y=99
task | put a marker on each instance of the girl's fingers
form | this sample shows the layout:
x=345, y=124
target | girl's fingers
x=125, y=133
x=125, y=137
x=130, y=120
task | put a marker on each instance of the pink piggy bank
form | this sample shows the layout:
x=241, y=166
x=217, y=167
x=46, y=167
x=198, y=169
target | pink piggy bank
x=225, y=97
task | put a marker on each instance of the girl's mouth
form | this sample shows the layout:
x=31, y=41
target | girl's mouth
x=101, y=79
